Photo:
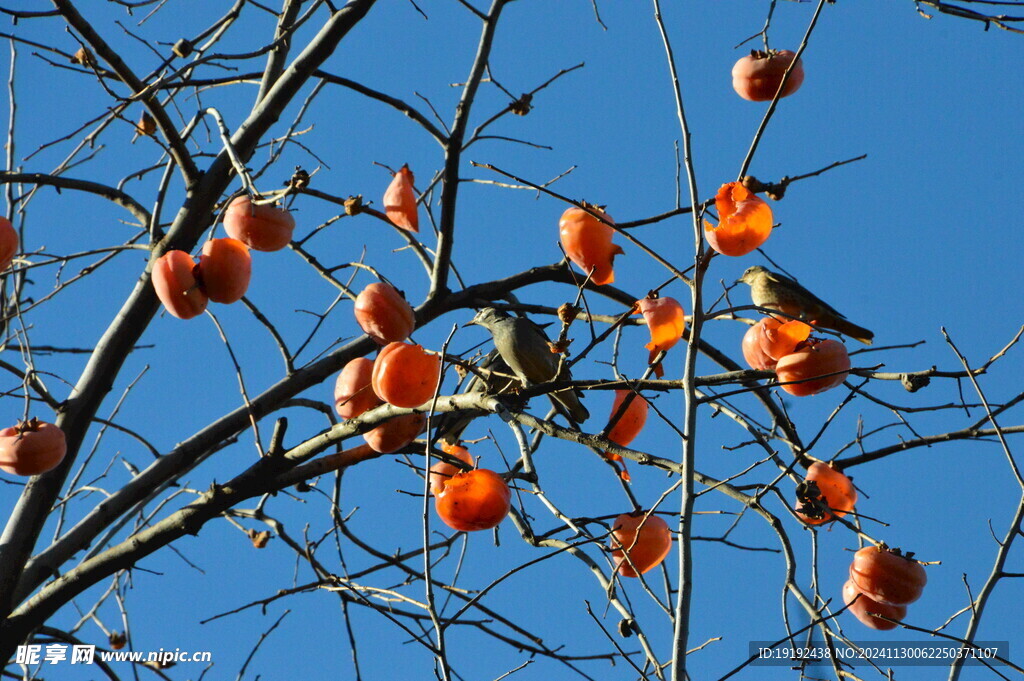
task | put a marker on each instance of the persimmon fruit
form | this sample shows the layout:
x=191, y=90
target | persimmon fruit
x=473, y=500
x=225, y=268
x=176, y=285
x=32, y=447
x=645, y=539
x=632, y=420
x=757, y=76
x=863, y=606
x=666, y=322
x=628, y=426
x=588, y=243
x=396, y=433
x=400, y=200
x=383, y=314
x=813, y=359
x=837, y=495
x=353, y=390
x=442, y=470
x=261, y=227
x=751, y=346
x=8, y=243
x=887, y=576
x=745, y=221
x=406, y=375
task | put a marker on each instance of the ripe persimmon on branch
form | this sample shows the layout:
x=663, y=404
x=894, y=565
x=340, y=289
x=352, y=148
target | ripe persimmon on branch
x=462, y=439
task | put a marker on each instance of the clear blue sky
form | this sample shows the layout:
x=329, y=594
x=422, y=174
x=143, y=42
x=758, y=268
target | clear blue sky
x=924, y=233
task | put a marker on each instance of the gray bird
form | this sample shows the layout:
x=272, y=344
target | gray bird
x=779, y=292
x=494, y=377
x=524, y=347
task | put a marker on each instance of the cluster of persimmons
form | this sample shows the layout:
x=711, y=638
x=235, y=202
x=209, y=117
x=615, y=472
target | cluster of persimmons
x=405, y=375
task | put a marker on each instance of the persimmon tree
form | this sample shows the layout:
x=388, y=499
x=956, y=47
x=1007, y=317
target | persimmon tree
x=244, y=264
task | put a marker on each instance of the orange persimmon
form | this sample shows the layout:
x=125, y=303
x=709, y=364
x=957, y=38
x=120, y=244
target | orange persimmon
x=400, y=201
x=32, y=447
x=666, y=321
x=225, y=268
x=261, y=227
x=745, y=221
x=392, y=435
x=383, y=314
x=751, y=345
x=887, y=575
x=8, y=242
x=813, y=358
x=836, y=495
x=646, y=539
x=771, y=339
x=588, y=242
x=353, y=392
x=473, y=500
x=175, y=284
x=628, y=426
x=442, y=470
x=757, y=76
x=406, y=375
x=862, y=607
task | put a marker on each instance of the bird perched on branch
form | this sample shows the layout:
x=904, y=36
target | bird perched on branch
x=778, y=292
x=526, y=350
x=493, y=377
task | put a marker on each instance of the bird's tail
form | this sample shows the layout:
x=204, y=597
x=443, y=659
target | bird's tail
x=569, y=401
x=850, y=329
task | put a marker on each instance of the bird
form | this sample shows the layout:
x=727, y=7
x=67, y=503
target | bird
x=494, y=377
x=526, y=350
x=779, y=292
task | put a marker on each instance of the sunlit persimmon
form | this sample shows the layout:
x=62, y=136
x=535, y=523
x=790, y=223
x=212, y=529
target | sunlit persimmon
x=225, y=268
x=628, y=426
x=588, y=243
x=175, y=284
x=8, y=243
x=752, y=352
x=887, y=576
x=771, y=339
x=442, y=470
x=863, y=606
x=383, y=314
x=473, y=500
x=400, y=201
x=32, y=447
x=646, y=539
x=353, y=392
x=757, y=76
x=632, y=421
x=813, y=358
x=837, y=495
x=745, y=221
x=666, y=322
x=392, y=435
x=261, y=227
x=782, y=337
x=406, y=375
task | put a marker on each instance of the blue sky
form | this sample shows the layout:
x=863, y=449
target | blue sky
x=924, y=233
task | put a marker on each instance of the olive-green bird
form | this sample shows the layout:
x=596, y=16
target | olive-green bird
x=778, y=292
x=524, y=347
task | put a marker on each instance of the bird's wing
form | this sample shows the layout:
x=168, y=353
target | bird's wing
x=537, y=362
x=794, y=286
